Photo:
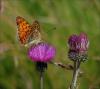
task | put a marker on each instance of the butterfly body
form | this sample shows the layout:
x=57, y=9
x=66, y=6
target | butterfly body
x=28, y=34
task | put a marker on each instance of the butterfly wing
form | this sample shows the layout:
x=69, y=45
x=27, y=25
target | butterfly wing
x=36, y=30
x=36, y=25
x=35, y=36
x=24, y=30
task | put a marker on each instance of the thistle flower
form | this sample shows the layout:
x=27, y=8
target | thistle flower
x=78, y=46
x=41, y=53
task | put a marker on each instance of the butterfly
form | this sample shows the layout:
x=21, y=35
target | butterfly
x=28, y=34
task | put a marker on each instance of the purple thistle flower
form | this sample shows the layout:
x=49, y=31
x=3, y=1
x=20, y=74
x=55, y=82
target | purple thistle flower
x=78, y=43
x=42, y=52
x=78, y=46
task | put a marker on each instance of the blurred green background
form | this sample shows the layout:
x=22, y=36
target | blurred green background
x=68, y=17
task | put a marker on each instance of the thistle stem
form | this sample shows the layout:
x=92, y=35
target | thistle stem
x=75, y=75
x=41, y=80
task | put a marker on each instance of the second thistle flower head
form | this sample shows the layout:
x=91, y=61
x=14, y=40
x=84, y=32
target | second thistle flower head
x=78, y=43
x=78, y=46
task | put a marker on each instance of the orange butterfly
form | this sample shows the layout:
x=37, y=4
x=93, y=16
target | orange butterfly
x=28, y=34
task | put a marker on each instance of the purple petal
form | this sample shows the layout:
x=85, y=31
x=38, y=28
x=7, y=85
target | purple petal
x=42, y=52
x=50, y=53
x=73, y=42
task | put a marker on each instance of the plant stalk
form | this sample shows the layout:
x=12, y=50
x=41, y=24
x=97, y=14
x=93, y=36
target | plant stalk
x=41, y=80
x=75, y=75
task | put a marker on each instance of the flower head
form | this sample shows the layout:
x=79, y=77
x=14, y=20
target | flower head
x=42, y=52
x=78, y=46
x=78, y=43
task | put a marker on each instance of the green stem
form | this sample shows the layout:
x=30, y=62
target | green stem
x=75, y=75
x=41, y=80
